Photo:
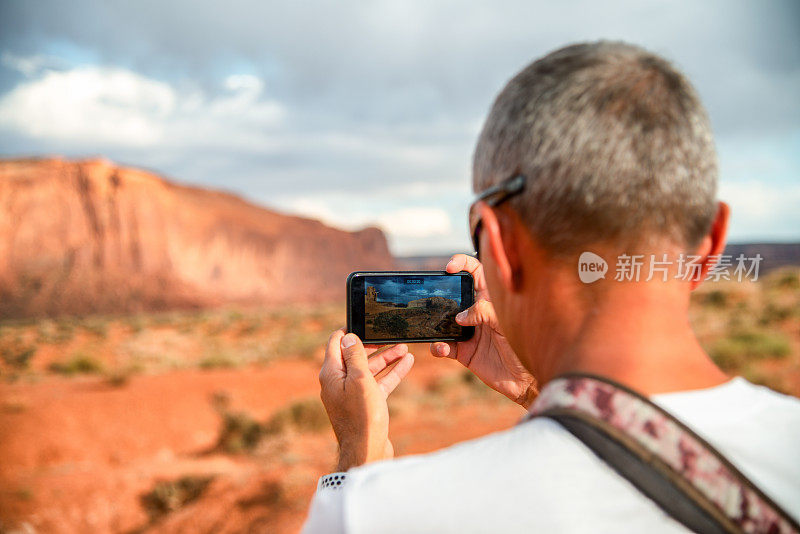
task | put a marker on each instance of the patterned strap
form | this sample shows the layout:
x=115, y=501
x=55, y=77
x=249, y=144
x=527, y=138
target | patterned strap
x=661, y=456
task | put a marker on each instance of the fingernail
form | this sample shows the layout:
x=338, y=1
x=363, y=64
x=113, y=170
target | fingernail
x=460, y=316
x=349, y=340
x=449, y=263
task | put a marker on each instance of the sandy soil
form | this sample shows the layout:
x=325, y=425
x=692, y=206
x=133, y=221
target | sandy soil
x=79, y=453
x=102, y=417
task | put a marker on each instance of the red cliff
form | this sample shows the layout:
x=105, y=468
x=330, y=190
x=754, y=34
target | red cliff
x=87, y=236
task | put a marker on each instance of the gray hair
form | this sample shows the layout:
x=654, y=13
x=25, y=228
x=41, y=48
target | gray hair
x=615, y=144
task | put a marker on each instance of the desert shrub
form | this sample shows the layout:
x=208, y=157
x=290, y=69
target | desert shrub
x=784, y=279
x=234, y=315
x=96, y=326
x=473, y=382
x=121, y=376
x=774, y=313
x=80, y=363
x=15, y=353
x=305, y=415
x=65, y=331
x=731, y=352
x=218, y=360
x=24, y=494
x=391, y=322
x=240, y=432
x=14, y=406
x=249, y=327
x=715, y=298
x=171, y=495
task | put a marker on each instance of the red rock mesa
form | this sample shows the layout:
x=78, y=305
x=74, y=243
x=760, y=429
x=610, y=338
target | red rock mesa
x=87, y=236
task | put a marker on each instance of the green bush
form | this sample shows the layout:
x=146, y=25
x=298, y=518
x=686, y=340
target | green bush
x=240, y=433
x=731, y=352
x=774, y=313
x=305, y=415
x=787, y=278
x=716, y=298
x=79, y=364
x=218, y=360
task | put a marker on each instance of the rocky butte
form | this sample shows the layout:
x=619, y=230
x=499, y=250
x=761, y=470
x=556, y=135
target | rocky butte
x=79, y=237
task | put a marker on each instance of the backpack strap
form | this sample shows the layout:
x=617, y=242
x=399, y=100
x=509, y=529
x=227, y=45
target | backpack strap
x=669, y=463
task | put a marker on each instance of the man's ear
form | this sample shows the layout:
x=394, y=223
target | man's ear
x=713, y=244
x=499, y=239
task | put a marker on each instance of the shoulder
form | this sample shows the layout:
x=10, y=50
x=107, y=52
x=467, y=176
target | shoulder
x=481, y=455
x=480, y=484
x=737, y=403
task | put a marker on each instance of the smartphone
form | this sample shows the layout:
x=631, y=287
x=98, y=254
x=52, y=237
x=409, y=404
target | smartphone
x=408, y=306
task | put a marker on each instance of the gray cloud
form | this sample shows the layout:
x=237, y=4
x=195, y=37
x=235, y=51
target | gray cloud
x=376, y=95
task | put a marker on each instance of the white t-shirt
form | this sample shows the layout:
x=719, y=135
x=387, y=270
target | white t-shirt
x=537, y=477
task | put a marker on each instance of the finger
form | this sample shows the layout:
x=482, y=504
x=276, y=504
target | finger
x=390, y=380
x=440, y=349
x=384, y=358
x=373, y=349
x=470, y=264
x=333, y=360
x=354, y=355
x=456, y=263
x=480, y=313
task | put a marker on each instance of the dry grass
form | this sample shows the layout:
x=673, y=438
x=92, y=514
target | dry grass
x=170, y=495
x=79, y=363
x=120, y=347
x=753, y=329
x=749, y=328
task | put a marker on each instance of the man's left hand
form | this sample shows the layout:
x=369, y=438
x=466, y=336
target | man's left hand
x=356, y=400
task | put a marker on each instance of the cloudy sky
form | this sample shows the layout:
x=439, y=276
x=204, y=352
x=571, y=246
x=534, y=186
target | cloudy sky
x=366, y=112
x=402, y=290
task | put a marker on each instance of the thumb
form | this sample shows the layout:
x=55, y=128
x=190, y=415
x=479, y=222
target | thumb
x=354, y=355
x=479, y=314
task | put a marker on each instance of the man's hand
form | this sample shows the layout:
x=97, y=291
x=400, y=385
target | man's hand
x=356, y=400
x=487, y=354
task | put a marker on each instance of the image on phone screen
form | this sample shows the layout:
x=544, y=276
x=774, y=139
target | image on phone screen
x=411, y=307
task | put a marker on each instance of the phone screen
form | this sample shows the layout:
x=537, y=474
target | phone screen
x=413, y=306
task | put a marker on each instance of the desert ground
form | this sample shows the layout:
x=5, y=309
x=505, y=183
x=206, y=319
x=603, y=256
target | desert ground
x=210, y=421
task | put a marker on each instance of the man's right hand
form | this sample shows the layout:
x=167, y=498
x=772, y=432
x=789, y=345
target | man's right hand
x=487, y=354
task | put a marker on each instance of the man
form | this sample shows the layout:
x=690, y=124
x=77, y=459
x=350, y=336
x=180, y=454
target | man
x=617, y=159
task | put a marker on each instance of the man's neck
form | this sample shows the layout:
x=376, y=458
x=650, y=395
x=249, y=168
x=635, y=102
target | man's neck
x=639, y=336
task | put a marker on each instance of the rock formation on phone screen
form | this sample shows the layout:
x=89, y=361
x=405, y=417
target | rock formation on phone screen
x=421, y=318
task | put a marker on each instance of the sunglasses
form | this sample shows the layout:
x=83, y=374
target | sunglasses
x=493, y=196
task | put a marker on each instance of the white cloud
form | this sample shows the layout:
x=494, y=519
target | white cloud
x=412, y=229
x=244, y=82
x=416, y=222
x=343, y=212
x=27, y=65
x=98, y=106
x=760, y=212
